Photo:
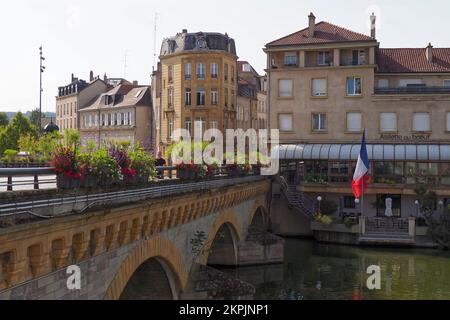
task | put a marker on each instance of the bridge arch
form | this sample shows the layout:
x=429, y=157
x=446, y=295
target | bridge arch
x=222, y=242
x=259, y=216
x=157, y=255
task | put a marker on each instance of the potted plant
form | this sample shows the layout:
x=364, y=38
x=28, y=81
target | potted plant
x=143, y=164
x=88, y=170
x=66, y=169
x=120, y=155
x=107, y=169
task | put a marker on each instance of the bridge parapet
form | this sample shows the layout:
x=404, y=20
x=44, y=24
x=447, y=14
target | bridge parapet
x=38, y=248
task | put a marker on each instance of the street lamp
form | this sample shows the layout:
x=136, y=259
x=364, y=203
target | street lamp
x=41, y=71
x=319, y=200
x=417, y=203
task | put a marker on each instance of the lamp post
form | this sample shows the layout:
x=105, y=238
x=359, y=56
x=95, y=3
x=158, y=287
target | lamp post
x=41, y=71
x=441, y=206
x=417, y=203
x=319, y=200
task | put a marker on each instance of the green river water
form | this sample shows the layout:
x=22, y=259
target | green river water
x=313, y=271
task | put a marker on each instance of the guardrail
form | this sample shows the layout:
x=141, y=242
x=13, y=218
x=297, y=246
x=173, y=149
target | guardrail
x=39, y=176
x=81, y=203
x=413, y=90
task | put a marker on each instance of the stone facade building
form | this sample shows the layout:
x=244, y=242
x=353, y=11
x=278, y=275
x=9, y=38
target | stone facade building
x=197, y=82
x=124, y=113
x=74, y=97
x=328, y=83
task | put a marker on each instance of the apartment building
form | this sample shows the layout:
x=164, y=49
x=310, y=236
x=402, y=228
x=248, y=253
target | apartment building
x=251, y=98
x=124, y=113
x=75, y=96
x=197, y=78
x=328, y=83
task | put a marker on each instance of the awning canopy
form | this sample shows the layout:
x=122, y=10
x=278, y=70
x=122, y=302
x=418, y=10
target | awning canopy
x=376, y=152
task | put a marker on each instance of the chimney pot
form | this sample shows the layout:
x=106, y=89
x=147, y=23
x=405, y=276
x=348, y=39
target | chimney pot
x=429, y=53
x=373, y=25
x=91, y=75
x=312, y=25
x=135, y=83
x=184, y=30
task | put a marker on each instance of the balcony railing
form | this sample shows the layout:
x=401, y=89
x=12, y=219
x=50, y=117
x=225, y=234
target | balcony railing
x=413, y=90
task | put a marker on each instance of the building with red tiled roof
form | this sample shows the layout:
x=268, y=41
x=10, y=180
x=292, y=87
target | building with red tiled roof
x=328, y=84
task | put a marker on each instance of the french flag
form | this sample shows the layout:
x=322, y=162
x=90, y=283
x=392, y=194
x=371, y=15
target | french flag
x=361, y=177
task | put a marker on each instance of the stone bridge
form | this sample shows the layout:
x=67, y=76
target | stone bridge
x=138, y=250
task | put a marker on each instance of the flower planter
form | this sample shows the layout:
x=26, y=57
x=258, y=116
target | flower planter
x=256, y=170
x=144, y=178
x=105, y=182
x=130, y=180
x=64, y=182
x=89, y=182
x=182, y=174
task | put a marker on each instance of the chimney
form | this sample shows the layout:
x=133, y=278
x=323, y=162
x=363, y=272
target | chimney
x=105, y=77
x=91, y=76
x=184, y=30
x=135, y=83
x=429, y=53
x=73, y=78
x=312, y=24
x=373, y=25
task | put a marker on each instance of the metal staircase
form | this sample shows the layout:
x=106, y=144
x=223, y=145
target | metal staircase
x=297, y=200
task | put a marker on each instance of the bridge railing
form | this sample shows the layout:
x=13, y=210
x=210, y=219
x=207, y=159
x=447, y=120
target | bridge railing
x=78, y=204
x=21, y=178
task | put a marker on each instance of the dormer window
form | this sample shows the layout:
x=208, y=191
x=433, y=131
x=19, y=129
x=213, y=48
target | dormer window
x=106, y=100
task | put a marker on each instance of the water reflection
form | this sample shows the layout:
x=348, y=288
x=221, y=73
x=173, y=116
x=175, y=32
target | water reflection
x=313, y=271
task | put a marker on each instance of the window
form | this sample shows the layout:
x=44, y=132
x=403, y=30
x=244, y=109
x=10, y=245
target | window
x=170, y=97
x=285, y=122
x=290, y=59
x=354, y=122
x=226, y=72
x=90, y=120
x=358, y=57
x=170, y=129
x=187, y=71
x=114, y=119
x=201, y=71
x=383, y=83
x=354, y=86
x=103, y=120
x=122, y=119
x=319, y=122
x=170, y=73
x=96, y=120
x=285, y=88
x=214, y=124
x=421, y=122
x=126, y=119
x=214, y=70
x=388, y=122
x=319, y=87
x=214, y=97
x=448, y=121
x=130, y=119
x=138, y=94
x=200, y=124
x=446, y=83
x=349, y=202
x=226, y=97
x=323, y=58
x=201, y=95
x=119, y=119
x=232, y=74
x=188, y=124
x=188, y=97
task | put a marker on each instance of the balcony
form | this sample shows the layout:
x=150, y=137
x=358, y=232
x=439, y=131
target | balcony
x=413, y=90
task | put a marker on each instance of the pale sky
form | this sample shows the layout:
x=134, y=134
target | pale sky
x=83, y=35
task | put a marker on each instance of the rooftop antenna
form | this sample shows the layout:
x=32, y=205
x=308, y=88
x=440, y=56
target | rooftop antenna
x=154, y=40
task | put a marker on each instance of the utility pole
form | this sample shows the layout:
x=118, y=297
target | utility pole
x=41, y=71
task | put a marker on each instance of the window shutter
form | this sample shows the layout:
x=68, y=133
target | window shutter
x=354, y=122
x=285, y=88
x=319, y=87
x=388, y=122
x=421, y=122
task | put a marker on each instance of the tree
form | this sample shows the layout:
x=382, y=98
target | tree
x=19, y=126
x=4, y=120
x=34, y=117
